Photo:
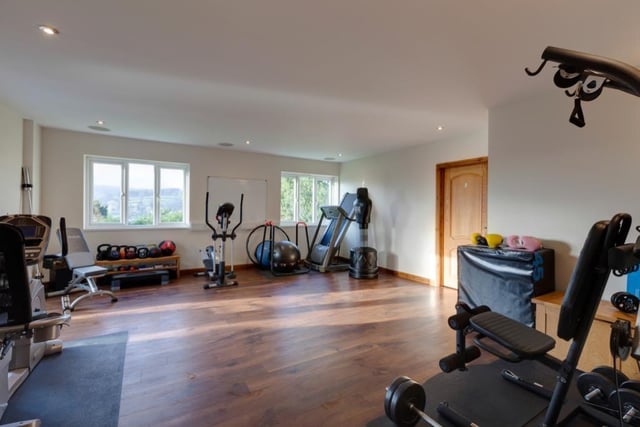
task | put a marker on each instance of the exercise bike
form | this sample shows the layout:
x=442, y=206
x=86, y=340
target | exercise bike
x=27, y=331
x=218, y=276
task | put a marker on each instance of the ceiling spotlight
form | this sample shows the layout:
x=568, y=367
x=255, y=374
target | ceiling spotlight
x=247, y=142
x=48, y=30
x=440, y=128
x=100, y=122
x=339, y=154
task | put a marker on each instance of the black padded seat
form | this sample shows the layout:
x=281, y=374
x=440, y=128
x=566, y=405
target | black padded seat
x=524, y=341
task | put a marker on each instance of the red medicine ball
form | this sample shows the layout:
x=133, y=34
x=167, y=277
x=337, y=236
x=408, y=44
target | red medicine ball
x=168, y=247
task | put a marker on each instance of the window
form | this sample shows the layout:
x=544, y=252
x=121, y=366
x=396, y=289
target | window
x=135, y=193
x=302, y=195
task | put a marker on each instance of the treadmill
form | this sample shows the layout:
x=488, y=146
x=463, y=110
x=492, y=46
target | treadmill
x=323, y=254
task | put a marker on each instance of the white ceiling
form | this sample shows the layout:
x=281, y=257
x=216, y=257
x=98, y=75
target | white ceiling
x=304, y=78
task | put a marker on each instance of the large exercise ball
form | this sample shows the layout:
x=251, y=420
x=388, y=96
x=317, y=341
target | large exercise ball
x=286, y=256
x=262, y=253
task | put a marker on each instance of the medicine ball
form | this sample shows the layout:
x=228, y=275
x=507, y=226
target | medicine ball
x=167, y=247
x=286, y=256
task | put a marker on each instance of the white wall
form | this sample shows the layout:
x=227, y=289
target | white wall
x=553, y=180
x=402, y=186
x=62, y=184
x=10, y=160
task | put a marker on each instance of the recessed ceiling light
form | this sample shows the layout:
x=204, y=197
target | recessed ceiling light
x=99, y=128
x=247, y=142
x=339, y=154
x=100, y=122
x=225, y=144
x=440, y=128
x=49, y=30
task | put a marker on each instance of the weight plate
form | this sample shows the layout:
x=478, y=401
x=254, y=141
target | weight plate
x=629, y=401
x=390, y=392
x=610, y=373
x=631, y=385
x=408, y=395
x=595, y=388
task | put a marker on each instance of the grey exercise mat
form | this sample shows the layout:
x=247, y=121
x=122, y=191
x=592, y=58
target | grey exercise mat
x=79, y=387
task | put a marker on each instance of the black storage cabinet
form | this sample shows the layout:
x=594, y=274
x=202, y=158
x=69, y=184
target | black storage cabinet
x=505, y=279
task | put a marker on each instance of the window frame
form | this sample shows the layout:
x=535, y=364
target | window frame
x=90, y=160
x=333, y=194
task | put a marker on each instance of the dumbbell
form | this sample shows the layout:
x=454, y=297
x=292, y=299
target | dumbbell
x=595, y=388
x=629, y=402
x=404, y=400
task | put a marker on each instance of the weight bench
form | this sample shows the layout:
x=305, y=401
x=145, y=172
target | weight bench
x=80, y=261
x=603, y=251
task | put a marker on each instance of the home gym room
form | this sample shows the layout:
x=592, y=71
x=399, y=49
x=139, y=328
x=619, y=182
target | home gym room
x=247, y=97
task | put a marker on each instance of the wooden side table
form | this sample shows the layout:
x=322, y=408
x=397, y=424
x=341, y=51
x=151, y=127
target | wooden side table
x=596, y=350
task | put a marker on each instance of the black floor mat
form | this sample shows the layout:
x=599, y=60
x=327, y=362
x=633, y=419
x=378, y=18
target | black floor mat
x=488, y=400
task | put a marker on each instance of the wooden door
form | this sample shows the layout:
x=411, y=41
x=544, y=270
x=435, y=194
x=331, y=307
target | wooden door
x=462, y=210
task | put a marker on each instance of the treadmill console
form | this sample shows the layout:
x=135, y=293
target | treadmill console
x=35, y=230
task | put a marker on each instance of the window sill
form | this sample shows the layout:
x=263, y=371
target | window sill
x=120, y=227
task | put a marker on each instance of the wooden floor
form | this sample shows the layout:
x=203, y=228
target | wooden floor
x=309, y=350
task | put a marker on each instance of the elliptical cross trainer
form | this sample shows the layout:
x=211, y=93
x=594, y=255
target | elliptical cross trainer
x=219, y=276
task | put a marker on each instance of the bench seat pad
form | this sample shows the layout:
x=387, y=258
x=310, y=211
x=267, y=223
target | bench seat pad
x=517, y=337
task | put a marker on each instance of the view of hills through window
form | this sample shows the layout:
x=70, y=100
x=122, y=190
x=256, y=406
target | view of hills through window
x=108, y=197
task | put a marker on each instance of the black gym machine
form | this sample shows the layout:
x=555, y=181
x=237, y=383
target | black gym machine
x=219, y=276
x=616, y=400
x=604, y=251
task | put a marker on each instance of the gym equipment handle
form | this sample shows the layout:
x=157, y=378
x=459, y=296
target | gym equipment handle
x=455, y=417
x=531, y=386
